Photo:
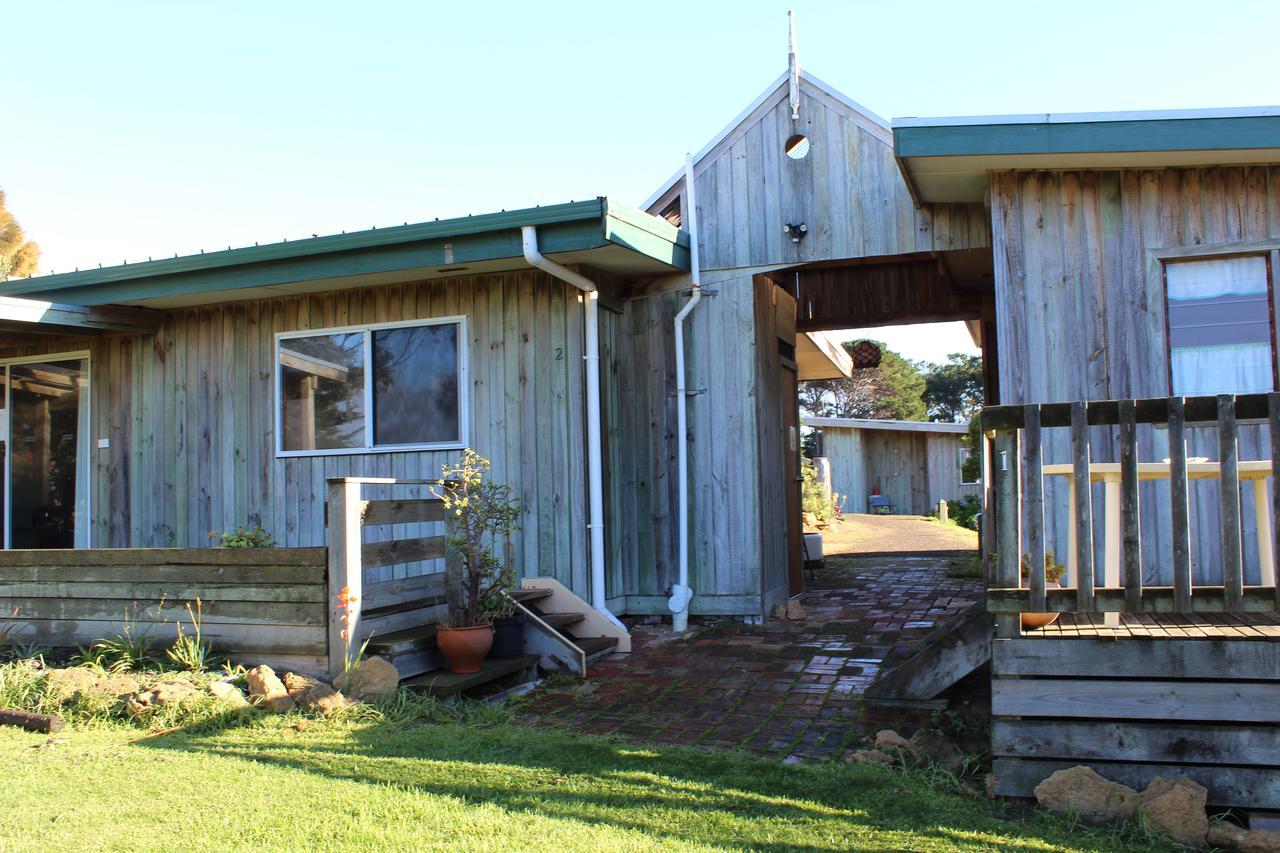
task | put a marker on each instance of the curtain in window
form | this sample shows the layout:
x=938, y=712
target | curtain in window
x=1220, y=326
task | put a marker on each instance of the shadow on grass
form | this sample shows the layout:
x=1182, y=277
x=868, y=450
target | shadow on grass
x=675, y=794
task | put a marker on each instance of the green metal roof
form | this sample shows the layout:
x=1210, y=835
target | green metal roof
x=598, y=232
x=947, y=159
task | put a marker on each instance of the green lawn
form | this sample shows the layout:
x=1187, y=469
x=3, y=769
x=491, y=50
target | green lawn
x=364, y=785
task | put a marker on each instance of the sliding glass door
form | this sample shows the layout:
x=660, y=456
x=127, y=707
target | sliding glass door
x=46, y=452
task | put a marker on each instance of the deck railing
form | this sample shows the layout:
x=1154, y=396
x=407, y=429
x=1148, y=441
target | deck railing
x=1014, y=525
x=374, y=604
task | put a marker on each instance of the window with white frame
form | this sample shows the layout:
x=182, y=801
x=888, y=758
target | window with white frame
x=1221, y=329
x=391, y=386
x=962, y=458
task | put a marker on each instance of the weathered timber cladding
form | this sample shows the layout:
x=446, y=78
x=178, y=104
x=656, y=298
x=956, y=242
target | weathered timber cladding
x=848, y=191
x=261, y=604
x=189, y=412
x=914, y=470
x=1081, y=317
x=1135, y=709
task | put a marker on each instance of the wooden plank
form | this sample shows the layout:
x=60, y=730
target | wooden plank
x=1083, y=510
x=189, y=573
x=1165, y=659
x=952, y=651
x=1034, y=505
x=1180, y=507
x=174, y=591
x=1008, y=543
x=390, y=593
x=1245, y=787
x=99, y=557
x=1273, y=406
x=414, y=511
x=396, y=551
x=1093, y=740
x=1242, y=702
x=1130, y=518
x=224, y=637
x=164, y=611
x=345, y=572
x=1155, y=599
x=1229, y=508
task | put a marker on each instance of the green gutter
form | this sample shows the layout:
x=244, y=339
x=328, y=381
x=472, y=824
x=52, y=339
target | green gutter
x=572, y=227
x=1188, y=134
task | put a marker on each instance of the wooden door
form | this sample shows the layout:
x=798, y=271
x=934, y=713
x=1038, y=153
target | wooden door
x=792, y=479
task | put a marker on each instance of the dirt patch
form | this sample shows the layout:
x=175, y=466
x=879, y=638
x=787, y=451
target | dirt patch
x=900, y=534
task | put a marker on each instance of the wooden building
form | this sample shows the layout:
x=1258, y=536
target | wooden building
x=913, y=464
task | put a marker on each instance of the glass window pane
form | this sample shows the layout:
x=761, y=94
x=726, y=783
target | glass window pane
x=1220, y=326
x=46, y=492
x=415, y=397
x=322, y=392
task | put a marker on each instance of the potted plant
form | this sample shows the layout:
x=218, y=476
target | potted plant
x=480, y=514
x=1053, y=572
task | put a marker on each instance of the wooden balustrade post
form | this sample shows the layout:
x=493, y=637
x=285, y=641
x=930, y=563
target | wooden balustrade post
x=1083, y=514
x=1180, y=507
x=1130, y=519
x=1273, y=411
x=1229, y=507
x=1035, y=506
x=346, y=570
x=1008, y=523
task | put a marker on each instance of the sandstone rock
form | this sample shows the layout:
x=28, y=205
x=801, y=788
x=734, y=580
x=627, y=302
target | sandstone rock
x=159, y=694
x=69, y=682
x=889, y=739
x=228, y=693
x=118, y=686
x=869, y=756
x=779, y=611
x=372, y=678
x=266, y=690
x=1228, y=836
x=932, y=747
x=1081, y=792
x=1175, y=807
x=795, y=610
x=312, y=695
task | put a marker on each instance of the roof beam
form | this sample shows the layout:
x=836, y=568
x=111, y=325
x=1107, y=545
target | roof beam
x=101, y=318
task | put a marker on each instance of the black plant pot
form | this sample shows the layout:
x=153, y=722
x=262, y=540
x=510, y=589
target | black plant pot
x=508, y=636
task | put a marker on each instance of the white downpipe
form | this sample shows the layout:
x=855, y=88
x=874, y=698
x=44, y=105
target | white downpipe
x=681, y=593
x=595, y=456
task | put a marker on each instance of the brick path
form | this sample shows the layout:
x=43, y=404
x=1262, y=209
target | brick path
x=789, y=689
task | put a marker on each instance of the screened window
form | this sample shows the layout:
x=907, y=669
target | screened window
x=381, y=387
x=1221, y=336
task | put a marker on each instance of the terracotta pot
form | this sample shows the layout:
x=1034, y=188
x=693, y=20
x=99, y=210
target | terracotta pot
x=1041, y=620
x=465, y=648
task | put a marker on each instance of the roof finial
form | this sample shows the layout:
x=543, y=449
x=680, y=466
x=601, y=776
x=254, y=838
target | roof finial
x=793, y=67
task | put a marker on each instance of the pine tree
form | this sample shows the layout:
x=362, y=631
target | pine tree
x=18, y=255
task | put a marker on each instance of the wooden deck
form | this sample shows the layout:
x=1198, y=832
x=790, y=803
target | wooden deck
x=1207, y=626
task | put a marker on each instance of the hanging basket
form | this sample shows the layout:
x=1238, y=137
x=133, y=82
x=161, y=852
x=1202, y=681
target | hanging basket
x=865, y=354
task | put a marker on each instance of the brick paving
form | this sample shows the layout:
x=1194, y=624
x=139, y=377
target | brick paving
x=790, y=689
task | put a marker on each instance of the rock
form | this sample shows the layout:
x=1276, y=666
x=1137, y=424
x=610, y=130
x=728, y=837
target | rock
x=266, y=690
x=312, y=695
x=889, y=739
x=118, y=686
x=779, y=611
x=372, y=678
x=869, y=756
x=795, y=610
x=1228, y=836
x=932, y=747
x=228, y=693
x=1176, y=808
x=159, y=694
x=66, y=683
x=1081, y=792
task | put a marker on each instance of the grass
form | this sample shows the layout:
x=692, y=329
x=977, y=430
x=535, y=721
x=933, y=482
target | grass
x=477, y=781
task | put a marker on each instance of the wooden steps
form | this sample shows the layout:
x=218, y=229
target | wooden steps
x=560, y=620
x=596, y=647
x=443, y=684
x=525, y=596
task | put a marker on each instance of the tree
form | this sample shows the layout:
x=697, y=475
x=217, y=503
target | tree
x=18, y=255
x=894, y=390
x=953, y=391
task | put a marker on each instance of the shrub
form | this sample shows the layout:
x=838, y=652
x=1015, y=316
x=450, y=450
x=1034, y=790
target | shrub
x=813, y=498
x=189, y=651
x=242, y=537
x=964, y=511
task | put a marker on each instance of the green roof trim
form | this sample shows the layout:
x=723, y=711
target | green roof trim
x=573, y=227
x=1078, y=137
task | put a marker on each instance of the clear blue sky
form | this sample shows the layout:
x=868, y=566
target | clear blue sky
x=143, y=129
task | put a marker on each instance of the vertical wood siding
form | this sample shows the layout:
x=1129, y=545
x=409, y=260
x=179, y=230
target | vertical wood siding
x=189, y=413
x=1081, y=316
x=915, y=470
x=848, y=191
